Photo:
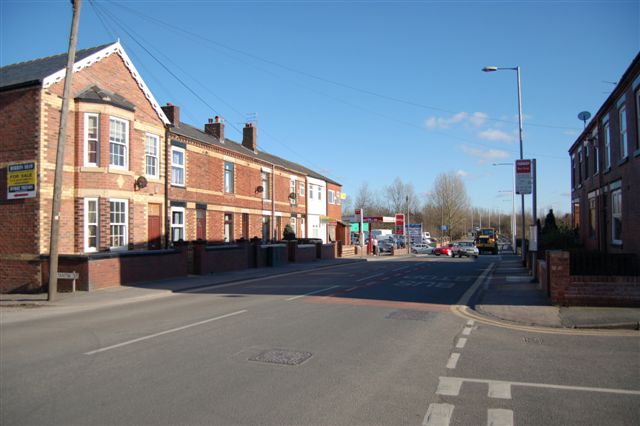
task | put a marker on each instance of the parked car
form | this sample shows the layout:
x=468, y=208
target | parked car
x=465, y=248
x=444, y=250
x=422, y=249
x=385, y=246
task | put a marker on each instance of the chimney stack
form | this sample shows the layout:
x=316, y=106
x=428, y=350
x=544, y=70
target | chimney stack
x=250, y=137
x=215, y=128
x=173, y=113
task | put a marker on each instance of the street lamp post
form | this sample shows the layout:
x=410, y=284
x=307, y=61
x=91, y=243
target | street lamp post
x=517, y=70
x=513, y=206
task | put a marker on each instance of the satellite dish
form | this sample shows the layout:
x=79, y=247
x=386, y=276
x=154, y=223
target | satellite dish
x=584, y=116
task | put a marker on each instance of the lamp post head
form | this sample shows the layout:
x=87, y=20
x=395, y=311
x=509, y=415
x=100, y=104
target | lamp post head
x=490, y=69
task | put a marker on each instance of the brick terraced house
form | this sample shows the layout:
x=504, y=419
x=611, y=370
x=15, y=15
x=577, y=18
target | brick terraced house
x=136, y=179
x=605, y=171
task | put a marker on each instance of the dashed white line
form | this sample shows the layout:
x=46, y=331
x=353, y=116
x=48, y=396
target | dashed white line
x=449, y=386
x=461, y=342
x=470, y=323
x=438, y=415
x=500, y=390
x=453, y=361
x=499, y=417
x=173, y=330
x=309, y=294
x=351, y=289
x=466, y=331
x=400, y=269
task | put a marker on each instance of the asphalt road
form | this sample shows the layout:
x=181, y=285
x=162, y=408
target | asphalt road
x=366, y=343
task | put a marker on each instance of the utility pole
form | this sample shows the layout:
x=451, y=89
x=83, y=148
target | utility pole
x=62, y=137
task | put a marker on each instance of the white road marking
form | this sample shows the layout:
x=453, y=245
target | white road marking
x=173, y=330
x=543, y=385
x=401, y=268
x=461, y=342
x=438, y=415
x=466, y=331
x=453, y=361
x=500, y=390
x=470, y=322
x=499, y=417
x=369, y=277
x=448, y=386
x=351, y=289
x=467, y=295
x=309, y=294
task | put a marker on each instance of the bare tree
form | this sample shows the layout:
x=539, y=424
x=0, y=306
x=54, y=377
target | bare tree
x=401, y=197
x=448, y=203
x=365, y=199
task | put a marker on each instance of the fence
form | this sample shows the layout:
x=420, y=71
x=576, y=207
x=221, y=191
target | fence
x=592, y=263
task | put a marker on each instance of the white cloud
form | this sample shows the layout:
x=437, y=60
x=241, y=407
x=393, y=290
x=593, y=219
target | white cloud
x=462, y=173
x=487, y=155
x=496, y=135
x=476, y=119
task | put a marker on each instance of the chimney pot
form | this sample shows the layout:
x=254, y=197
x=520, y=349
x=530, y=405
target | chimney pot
x=215, y=129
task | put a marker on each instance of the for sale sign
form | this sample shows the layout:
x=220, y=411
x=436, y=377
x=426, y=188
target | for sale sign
x=524, y=179
x=21, y=180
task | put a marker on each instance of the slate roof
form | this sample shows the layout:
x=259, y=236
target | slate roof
x=189, y=131
x=33, y=72
x=95, y=94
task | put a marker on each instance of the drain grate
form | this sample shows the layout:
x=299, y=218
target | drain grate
x=414, y=315
x=282, y=357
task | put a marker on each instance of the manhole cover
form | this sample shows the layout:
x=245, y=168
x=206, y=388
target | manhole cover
x=282, y=357
x=405, y=314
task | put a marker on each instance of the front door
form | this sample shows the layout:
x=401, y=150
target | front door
x=201, y=224
x=154, y=227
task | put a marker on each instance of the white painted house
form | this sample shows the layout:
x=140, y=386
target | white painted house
x=316, y=208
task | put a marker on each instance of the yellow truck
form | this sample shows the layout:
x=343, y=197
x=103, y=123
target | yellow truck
x=487, y=240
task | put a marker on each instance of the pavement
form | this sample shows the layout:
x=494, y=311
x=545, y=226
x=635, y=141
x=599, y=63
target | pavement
x=507, y=295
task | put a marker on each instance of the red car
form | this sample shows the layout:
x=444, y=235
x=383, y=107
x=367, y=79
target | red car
x=444, y=250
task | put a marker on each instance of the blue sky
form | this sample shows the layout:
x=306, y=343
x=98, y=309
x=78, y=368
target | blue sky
x=367, y=91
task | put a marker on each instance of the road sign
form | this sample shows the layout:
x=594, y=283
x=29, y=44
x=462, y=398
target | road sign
x=21, y=180
x=524, y=179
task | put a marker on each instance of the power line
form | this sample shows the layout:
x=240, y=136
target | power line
x=320, y=78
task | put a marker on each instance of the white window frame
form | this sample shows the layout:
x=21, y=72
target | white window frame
x=331, y=197
x=150, y=156
x=616, y=213
x=301, y=188
x=319, y=193
x=228, y=178
x=125, y=145
x=606, y=133
x=637, y=100
x=310, y=192
x=265, y=177
x=87, y=116
x=293, y=221
x=87, y=248
x=180, y=226
x=624, y=133
x=338, y=199
x=303, y=230
x=227, y=226
x=125, y=224
x=182, y=167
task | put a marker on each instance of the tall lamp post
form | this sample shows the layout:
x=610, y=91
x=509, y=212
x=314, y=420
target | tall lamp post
x=513, y=206
x=517, y=70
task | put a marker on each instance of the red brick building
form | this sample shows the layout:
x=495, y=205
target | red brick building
x=605, y=171
x=135, y=177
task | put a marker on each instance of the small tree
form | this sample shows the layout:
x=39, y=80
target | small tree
x=289, y=234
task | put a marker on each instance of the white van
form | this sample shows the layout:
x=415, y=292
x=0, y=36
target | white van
x=381, y=234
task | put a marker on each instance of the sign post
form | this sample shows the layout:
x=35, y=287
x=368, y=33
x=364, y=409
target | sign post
x=360, y=212
x=524, y=178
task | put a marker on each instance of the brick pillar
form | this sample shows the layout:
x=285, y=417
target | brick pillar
x=559, y=275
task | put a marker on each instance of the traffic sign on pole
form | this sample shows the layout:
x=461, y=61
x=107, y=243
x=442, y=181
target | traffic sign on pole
x=524, y=179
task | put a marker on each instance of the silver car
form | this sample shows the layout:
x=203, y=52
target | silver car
x=465, y=248
x=422, y=248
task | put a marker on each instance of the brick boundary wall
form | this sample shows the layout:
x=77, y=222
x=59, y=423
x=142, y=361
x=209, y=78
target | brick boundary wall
x=568, y=290
x=106, y=270
x=327, y=251
x=223, y=258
